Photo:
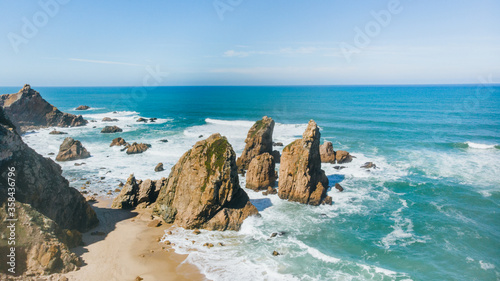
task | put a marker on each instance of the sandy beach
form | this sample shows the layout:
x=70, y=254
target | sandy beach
x=126, y=248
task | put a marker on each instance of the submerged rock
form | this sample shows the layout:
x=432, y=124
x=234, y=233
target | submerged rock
x=27, y=110
x=83, y=107
x=261, y=172
x=107, y=119
x=259, y=140
x=301, y=177
x=72, y=149
x=57, y=133
x=137, y=148
x=111, y=129
x=369, y=165
x=203, y=189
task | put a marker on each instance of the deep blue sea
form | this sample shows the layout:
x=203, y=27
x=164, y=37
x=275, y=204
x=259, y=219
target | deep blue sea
x=430, y=211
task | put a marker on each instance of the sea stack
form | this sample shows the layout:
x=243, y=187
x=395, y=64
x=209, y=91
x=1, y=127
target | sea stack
x=259, y=140
x=28, y=110
x=50, y=214
x=72, y=149
x=203, y=189
x=301, y=178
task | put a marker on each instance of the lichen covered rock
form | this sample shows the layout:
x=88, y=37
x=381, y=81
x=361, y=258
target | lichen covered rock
x=301, y=177
x=203, y=189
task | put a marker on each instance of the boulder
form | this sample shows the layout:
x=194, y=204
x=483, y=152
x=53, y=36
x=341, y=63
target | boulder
x=57, y=133
x=203, y=189
x=301, y=178
x=327, y=153
x=111, y=129
x=342, y=157
x=142, y=120
x=261, y=172
x=118, y=142
x=27, y=110
x=72, y=149
x=259, y=140
x=83, y=107
x=137, y=148
x=107, y=119
x=159, y=167
x=277, y=144
x=339, y=187
x=137, y=193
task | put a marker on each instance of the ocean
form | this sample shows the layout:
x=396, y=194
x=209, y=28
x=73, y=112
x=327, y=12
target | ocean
x=430, y=211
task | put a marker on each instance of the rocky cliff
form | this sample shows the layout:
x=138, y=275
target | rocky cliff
x=301, y=178
x=261, y=172
x=28, y=110
x=51, y=208
x=203, y=189
x=259, y=140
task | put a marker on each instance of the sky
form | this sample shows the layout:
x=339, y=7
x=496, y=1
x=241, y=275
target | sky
x=243, y=42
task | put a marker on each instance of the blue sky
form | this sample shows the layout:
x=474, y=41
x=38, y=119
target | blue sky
x=243, y=42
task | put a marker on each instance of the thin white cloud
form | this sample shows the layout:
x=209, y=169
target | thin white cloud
x=283, y=51
x=105, y=62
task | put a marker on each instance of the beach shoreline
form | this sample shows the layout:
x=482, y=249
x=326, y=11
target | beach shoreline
x=125, y=248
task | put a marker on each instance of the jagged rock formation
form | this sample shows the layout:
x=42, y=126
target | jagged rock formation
x=72, y=149
x=57, y=133
x=259, y=140
x=203, y=189
x=137, y=148
x=277, y=156
x=118, y=142
x=261, y=172
x=301, y=177
x=28, y=110
x=111, y=129
x=137, y=193
x=50, y=213
x=327, y=153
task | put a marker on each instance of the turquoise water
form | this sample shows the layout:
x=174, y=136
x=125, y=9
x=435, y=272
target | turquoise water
x=430, y=212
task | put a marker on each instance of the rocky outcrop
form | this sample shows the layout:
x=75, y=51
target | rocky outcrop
x=159, y=167
x=111, y=129
x=42, y=247
x=259, y=140
x=83, y=107
x=28, y=110
x=72, y=149
x=39, y=183
x=137, y=148
x=203, y=189
x=301, y=177
x=50, y=213
x=342, y=157
x=327, y=153
x=118, y=142
x=261, y=172
x=137, y=193
x=369, y=165
x=277, y=156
